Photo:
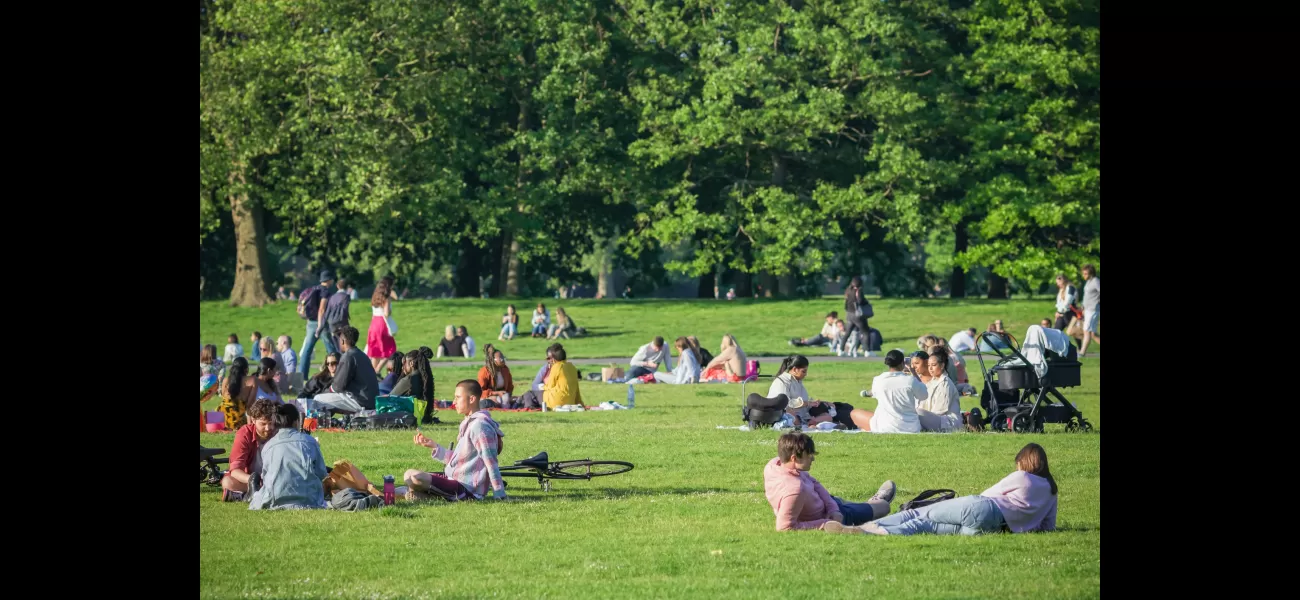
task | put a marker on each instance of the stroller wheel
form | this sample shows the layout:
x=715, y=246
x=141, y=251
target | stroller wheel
x=1022, y=424
x=1084, y=426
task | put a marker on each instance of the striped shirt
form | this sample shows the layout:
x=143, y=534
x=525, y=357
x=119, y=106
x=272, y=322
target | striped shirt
x=473, y=462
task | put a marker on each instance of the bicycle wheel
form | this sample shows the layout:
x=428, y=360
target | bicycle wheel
x=586, y=469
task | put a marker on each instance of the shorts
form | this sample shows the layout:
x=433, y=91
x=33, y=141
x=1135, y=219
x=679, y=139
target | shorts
x=1091, y=320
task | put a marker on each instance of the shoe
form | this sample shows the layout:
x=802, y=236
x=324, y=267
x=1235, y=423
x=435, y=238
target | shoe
x=886, y=491
x=412, y=495
x=231, y=496
x=872, y=528
x=837, y=527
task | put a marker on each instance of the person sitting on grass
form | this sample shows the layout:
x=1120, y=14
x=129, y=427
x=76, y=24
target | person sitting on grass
x=509, y=324
x=210, y=371
x=898, y=392
x=265, y=380
x=532, y=398
x=962, y=340
x=233, y=349
x=541, y=320
x=281, y=374
x=563, y=326
x=1023, y=501
x=417, y=381
x=245, y=453
x=648, y=358
x=700, y=352
x=920, y=362
x=238, y=391
x=940, y=410
x=472, y=470
x=789, y=381
x=494, y=377
x=800, y=502
x=821, y=339
x=320, y=382
x=394, y=364
x=451, y=344
x=729, y=364
x=688, y=366
x=561, y=386
x=292, y=467
x=989, y=342
x=470, y=347
x=355, y=384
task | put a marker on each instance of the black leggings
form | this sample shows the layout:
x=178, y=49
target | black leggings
x=842, y=410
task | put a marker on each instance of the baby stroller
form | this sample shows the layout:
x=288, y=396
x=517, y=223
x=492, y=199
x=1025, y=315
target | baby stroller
x=1014, y=395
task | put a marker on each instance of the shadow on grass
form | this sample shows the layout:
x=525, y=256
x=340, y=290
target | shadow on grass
x=561, y=489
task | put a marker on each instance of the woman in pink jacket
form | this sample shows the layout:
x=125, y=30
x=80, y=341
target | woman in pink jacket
x=800, y=502
x=1023, y=501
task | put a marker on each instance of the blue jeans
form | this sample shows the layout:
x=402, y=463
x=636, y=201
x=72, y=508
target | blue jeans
x=539, y=329
x=637, y=372
x=968, y=515
x=855, y=513
x=509, y=330
x=308, y=345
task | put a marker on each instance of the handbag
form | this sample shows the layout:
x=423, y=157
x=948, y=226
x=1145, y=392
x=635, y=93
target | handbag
x=1075, y=328
x=927, y=498
x=392, y=325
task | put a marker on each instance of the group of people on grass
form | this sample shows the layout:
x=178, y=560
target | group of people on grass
x=1024, y=501
x=563, y=326
x=274, y=465
x=695, y=364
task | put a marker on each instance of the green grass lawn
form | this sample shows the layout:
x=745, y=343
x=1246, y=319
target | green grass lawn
x=617, y=327
x=691, y=519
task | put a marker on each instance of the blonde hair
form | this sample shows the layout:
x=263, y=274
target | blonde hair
x=450, y=333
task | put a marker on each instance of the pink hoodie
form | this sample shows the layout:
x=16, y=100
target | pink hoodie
x=798, y=500
x=1026, y=502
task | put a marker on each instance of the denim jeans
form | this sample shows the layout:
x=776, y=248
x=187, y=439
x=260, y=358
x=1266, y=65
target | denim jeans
x=968, y=515
x=509, y=330
x=855, y=513
x=637, y=372
x=308, y=345
x=539, y=329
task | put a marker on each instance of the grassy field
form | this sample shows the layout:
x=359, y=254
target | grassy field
x=690, y=521
x=617, y=327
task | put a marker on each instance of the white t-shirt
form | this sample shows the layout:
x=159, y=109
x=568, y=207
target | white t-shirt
x=792, y=388
x=898, y=394
x=961, y=341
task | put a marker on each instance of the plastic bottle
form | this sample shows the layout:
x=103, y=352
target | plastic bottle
x=389, y=490
x=631, y=396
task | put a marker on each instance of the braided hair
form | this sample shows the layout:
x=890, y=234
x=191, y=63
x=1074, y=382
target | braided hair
x=420, y=361
x=489, y=352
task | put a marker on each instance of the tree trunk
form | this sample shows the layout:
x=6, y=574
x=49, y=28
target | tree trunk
x=497, y=265
x=512, y=267
x=705, y=287
x=787, y=285
x=957, y=284
x=250, y=250
x=743, y=283
x=467, y=270
x=997, y=286
x=604, y=283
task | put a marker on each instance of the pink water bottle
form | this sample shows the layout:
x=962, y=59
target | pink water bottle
x=388, y=489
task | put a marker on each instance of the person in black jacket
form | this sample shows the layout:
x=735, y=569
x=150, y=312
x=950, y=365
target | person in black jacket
x=355, y=385
x=320, y=382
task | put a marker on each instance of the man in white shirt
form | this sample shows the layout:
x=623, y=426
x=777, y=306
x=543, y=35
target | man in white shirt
x=962, y=340
x=826, y=336
x=648, y=358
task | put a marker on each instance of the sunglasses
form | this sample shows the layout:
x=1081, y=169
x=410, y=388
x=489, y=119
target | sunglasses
x=331, y=364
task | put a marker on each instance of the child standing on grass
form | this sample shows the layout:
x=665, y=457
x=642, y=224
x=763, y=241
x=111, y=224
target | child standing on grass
x=1023, y=501
x=800, y=502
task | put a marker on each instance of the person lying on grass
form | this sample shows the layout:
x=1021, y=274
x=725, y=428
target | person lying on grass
x=245, y=455
x=472, y=468
x=800, y=502
x=292, y=467
x=1023, y=501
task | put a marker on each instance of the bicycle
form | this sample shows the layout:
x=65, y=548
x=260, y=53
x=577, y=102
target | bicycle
x=541, y=467
x=210, y=470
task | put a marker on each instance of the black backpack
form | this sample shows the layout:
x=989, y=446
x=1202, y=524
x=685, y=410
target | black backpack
x=309, y=303
x=927, y=498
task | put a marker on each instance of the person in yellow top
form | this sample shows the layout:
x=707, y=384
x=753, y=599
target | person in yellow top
x=561, y=385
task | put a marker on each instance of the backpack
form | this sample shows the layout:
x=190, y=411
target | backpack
x=309, y=303
x=927, y=498
x=336, y=310
x=751, y=370
x=865, y=309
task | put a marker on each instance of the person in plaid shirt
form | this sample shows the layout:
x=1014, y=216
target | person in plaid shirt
x=472, y=470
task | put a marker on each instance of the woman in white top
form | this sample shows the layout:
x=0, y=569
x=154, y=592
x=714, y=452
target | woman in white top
x=1066, y=298
x=541, y=320
x=941, y=411
x=688, y=366
x=789, y=381
x=897, y=392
